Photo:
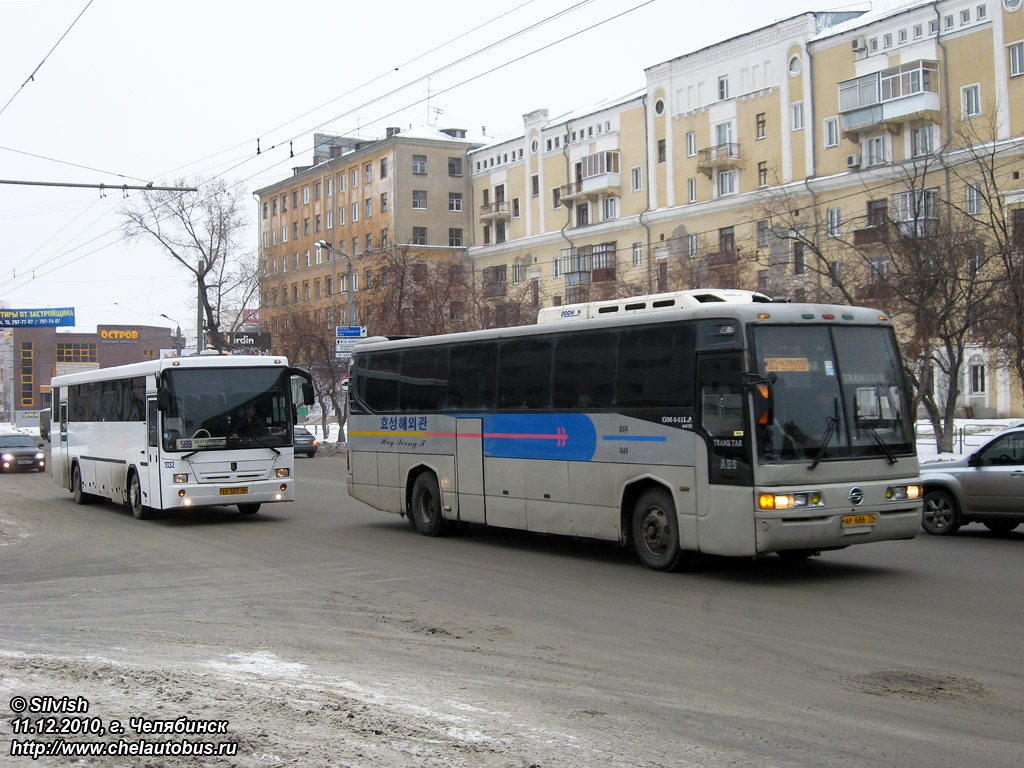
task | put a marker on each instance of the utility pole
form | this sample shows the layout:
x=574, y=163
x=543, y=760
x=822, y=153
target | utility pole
x=200, y=336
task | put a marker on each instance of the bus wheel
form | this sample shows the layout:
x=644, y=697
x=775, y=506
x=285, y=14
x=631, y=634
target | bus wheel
x=655, y=531
x=139, y=510
x=81, y=497
x=248, y=509
x=425, y=506
x=940, y=513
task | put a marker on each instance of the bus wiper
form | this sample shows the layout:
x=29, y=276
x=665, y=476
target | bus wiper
x=831, y=429
x=865, y=424
x=257, y=440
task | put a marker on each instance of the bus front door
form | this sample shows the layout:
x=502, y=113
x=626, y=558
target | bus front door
x=150, y=478
x=469, y=466
x=59, y=463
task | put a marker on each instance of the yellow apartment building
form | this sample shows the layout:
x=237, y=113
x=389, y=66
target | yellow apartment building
x=766, y=161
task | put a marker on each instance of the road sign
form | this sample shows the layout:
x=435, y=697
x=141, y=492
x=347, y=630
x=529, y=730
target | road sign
x=344, y=385
x=350, y=331
x=346, y=337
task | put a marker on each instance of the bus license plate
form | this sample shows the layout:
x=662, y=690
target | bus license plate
x=852, y=520
x=232, y=491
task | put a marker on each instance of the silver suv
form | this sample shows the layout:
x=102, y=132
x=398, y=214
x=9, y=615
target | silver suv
x=986, y=487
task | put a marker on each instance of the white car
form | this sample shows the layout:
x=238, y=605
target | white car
x=986, y=487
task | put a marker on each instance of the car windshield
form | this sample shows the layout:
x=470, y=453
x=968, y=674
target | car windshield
x=838, y=393
x=16, y=441
x=219, y=408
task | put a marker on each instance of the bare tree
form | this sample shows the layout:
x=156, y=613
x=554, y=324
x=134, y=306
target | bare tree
x=310, y=344
x=203, y=232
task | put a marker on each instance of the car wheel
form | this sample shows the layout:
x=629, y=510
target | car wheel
x=941, y=516
x=656, y=531
x=425, y=506
x=1002, y=527
x=81, y=497
x=139, y=510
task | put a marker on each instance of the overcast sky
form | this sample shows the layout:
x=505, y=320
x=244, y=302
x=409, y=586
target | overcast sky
x=146, y=91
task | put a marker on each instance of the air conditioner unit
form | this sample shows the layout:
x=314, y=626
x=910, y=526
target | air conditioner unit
x=853, y=161
x=859, y=44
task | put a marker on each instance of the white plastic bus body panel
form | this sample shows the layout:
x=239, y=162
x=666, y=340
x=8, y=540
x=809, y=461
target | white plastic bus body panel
x=469, y=470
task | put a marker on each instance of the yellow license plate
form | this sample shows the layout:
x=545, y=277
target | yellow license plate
x=232, y=491
x=851, y=520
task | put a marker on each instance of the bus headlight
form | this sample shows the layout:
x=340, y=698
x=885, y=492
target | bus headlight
x=284, y=472
x=903, y=492
x=789, y=500
x=181, y=479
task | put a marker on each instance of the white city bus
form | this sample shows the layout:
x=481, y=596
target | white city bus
x=731, y=428
x=178, y=433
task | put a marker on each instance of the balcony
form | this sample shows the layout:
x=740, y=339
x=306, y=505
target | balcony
x=720, y=258
x=590, y=188
x=871, y=235
x=494, y=290
x=721, y=157
x=496, y=211
x=887, y=99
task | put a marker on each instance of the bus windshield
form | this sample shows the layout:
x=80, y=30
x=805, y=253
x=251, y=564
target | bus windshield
x=219, y=408
x=838, y=392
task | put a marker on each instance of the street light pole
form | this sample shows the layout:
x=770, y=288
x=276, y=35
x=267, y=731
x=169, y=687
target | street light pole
x=177, y=334
x=351, y=307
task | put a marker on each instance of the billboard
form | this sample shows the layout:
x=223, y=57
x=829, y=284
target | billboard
x=35, y=318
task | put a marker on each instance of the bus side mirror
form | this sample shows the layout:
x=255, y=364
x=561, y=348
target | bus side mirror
x=308, y=397
x=163, y=400
x=761, y=394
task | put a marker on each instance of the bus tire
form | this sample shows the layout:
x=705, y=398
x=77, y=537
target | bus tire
x=248, y=509
x=81, y=497
x=425, y=506
x=139, y=510
x=656, y=531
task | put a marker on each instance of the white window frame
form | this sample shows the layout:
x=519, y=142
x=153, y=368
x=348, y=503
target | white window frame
x=723, y=87
x=691, y=186
x=727, y=183
x=831, y=132
x=835, y=222
x=636, y=175
x=1016, y=59
x=796, y=113
x=638, y=254
x=610, y=208
x=355, y=213
x=970, y=100
x=691, y=144
x=922, y=141
x=873, y=157
x=974, y=200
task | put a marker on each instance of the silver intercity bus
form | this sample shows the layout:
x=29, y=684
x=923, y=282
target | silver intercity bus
x=731, y=427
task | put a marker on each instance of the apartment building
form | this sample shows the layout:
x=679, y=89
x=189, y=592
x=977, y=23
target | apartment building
x=823, y=134
x=368, y=200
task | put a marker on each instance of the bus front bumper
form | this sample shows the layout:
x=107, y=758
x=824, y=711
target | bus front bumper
x=836, y=530
x=216, y=494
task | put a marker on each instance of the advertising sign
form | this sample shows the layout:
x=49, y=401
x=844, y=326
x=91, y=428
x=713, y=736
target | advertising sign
x=35, y=318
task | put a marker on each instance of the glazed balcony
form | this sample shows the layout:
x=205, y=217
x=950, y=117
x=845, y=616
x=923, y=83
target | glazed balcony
x=886, y=99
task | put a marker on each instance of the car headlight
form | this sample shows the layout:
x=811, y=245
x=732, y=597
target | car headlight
x=8, y=457
x=790, y=500
x=39, y=456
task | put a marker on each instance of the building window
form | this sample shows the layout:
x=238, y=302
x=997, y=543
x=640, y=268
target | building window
x=556, y=197
x=835, y=222
x=762, y=125
x=636, y=175
x=799, y=263
x=419, y=199
x=383, y=202
x=369, y=207
x=305, y=195
x=341, y=216
x=691, y=144
x=723, y=88
x=727, y=240
x=661, y=150
x=368, y=173
x=355, y=212
x=265, y=209
x=918, y=31
x=316, y=191
x=970, y=100
x=726, y=183
x=454, y=166
x=982, y=12
x=455, y=237
x=974, y=199
x=419, y=163
x=329, y=183
x=316, y=224
x=638, y=254
x=875, y=151
x=762, y=233
x=515, y=207
x=454, y=201
x=383, y=168
x=384, y=238
x=1016, y=59
x=610, y=208
x=831, y=132
x=305, y=226
x=535, y=185
x=419, y=235
x=878, y=213
x=921, y=141
x=977, y=379
x=797, y=114
x=691, y=187
x=762, y=173
x=693, y=245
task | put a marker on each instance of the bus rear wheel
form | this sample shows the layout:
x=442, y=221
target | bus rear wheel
x=248, y=509
x=425, y=506
x=656, y=531
x=139, y=510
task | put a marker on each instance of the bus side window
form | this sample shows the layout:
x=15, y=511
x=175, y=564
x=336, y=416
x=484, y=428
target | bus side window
x=153, y=425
